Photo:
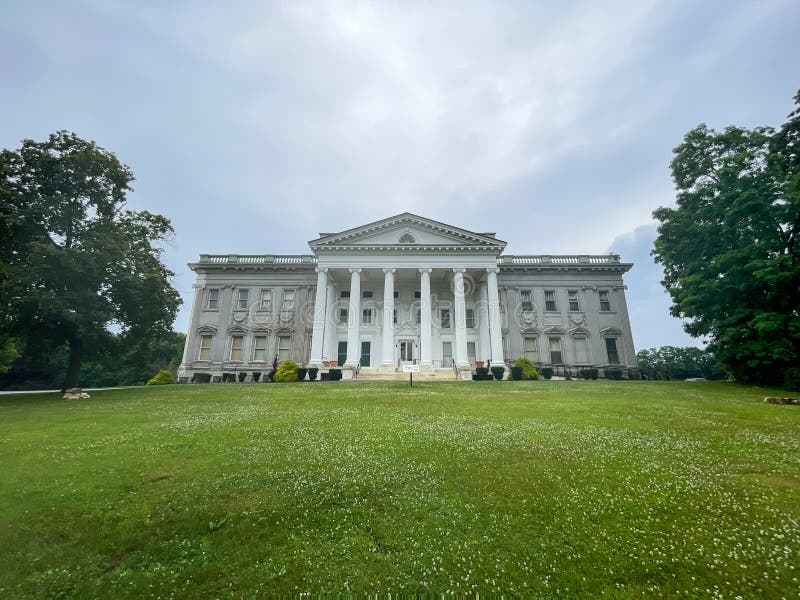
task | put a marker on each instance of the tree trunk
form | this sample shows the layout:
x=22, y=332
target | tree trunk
x=74, y=367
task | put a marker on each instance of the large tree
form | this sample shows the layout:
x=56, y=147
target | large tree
x=75, y=262
x=730, y=248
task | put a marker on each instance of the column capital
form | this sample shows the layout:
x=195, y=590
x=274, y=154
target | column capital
x=425, y=270
x=494, y=270
x=321, y=269
x=459, y=270
x=355, y=269
x=387, y=270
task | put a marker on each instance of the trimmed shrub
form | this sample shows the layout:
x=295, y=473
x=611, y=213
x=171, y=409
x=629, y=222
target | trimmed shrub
x=614, y=374
x=498, y=372
x=516, y=373
x=482, y=373
x=792, y=378
x=547, y=372
x=334, y=374
x=201, y=378
x=528, y=370
x=312, y=373
x=242, y=377
x=588, y=373
x=162, y=378
x=256, y=375
x=286, y=372
x=301, y=373
x=229, y=378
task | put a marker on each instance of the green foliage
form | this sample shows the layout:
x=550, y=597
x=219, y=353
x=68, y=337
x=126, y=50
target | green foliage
x=588, y=373
x=730, y=249
x=547, y=372
x=201, y=378
x=529, y=371
x=287, y=371
x=256, y=375
x=613, y=374
x=482, y=373
x=312, y=373
x=334, y=374
x=162, y=378
x=8, y=353
x=301, y=373
x=498, y=372
x=242, y=377
x=229, y=378
x=516, y=373
x=671, y=362
x=74, y=260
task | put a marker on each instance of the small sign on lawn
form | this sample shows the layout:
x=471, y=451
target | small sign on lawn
x=410, y=368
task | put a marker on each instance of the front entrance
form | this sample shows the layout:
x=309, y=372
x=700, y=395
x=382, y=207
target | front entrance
x=406, y=352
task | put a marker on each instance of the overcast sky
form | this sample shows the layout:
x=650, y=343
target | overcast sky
x=255, y=125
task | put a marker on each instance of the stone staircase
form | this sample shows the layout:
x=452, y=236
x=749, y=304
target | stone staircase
x=372, y=374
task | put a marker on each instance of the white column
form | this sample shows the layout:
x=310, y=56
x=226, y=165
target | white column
x=354, y=320
x=425, y=351
x=329, y=348
x=318, y=334
x=482, y=313
x=387, y=356
x=461, y=319
x=495, y=327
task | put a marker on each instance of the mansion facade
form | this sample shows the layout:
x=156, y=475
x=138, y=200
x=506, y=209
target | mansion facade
x=406, y=290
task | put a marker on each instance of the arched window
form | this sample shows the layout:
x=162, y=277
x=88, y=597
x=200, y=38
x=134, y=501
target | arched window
x=407, y=238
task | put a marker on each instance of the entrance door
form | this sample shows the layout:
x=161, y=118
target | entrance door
x=406, y=352
x=447, y=355
x=365, y=353
x=342, y=353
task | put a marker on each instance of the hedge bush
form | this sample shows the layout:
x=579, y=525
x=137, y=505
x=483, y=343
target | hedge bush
x=334, y=374
x=614, y=374
x=547, y=372
x=312, y=373
x=201, y=378
x=286, y=372
x=529, y=371
x=516, y=373
x=482, y=374
x=162, y=378
x=242, y=377
x=229, y=378
x=301, y=373
x=588, y=373
x=256, y=375
x=498, y=372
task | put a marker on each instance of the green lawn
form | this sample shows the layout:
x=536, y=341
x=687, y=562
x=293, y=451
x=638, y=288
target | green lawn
x=562, y=488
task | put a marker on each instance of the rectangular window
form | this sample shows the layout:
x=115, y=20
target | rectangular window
x=444, y=320
x=574, y=305
x=447, y=354
x=471, y=354
x=288, y=301
x=396, y=294
x=611, y=349
x=242, y=299
x=470, y=318
x=394, y=316
x=555, y=351
x=365, y=353
x=205, y=347
x=341, y=353
x=525, y=300
x=213, y=299
x=265, y=300
x=284, y=352
x=366, y=294
x=605, y=303
x=237, y=341
x=417, y=295
x=260, y=348
x=550, y=300
x=581, y=345
x=344, y=294
x=419, y=316
x=531, y=349
x=343, y=315
x=367, y=317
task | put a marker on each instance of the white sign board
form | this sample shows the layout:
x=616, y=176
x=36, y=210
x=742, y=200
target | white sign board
x=410, y=368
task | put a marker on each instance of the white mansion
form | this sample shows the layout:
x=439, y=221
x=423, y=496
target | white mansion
x=406, y=290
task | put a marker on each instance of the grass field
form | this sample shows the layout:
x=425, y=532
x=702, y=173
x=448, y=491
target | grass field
x=562, y=488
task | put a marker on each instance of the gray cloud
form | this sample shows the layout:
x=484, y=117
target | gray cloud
x=255, y=125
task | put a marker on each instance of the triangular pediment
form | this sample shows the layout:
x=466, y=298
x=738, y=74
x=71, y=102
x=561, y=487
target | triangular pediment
x=407, y=231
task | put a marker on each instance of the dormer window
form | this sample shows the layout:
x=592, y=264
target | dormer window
x=407, y=238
